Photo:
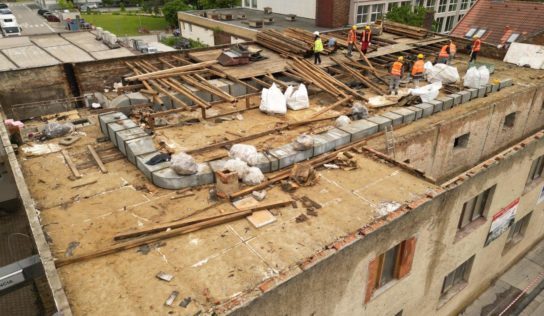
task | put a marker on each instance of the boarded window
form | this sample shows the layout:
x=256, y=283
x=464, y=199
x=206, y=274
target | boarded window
x=517, y=231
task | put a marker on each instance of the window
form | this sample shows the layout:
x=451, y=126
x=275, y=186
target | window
x=442, y=5
x=512, y=38
x=471, y=32
x=405, y=3
x=517, y=231
x=254, y=3
x=461, y=141
x=246, y=3
x=509, y=120
x=439, y=24
x=460, y=17
x=376, y=12
x=472, y=2
x=363, y=13
x=449, y=23
x=430, y=4
x=395, y=263
x=474, y=208
x=392, y=5
x=536, y=170
x=453, y=5
x=480, y=32
x=464, y=4
x=458, y=276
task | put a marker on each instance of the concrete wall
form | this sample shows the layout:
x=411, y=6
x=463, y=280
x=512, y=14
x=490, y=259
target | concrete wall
x=337, y=285
x=8, y=190
x=302, y=8
x=197, y=33
x=430, y=147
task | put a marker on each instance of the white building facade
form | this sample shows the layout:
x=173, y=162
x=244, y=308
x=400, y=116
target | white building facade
x=302, y=8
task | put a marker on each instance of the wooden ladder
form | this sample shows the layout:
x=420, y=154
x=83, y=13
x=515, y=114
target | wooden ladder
x=390, y=141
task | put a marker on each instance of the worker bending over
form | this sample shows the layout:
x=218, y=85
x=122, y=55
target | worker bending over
x=352, y=39
x=366, y=37
x=453, y=50
x=418, y=69
x=318, y=48
x=444, y=54
x=396, y=72
x=475, y=48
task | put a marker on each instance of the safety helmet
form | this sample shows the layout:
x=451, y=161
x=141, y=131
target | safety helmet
x=316, y=33
x=420, y=56
x=354, y=27
x=367, y=27
x=475, y=37
x=401, y=58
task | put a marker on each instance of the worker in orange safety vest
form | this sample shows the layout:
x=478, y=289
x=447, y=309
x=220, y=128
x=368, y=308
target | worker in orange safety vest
x=475, y=48
x=396, y=72
x=352, y=39
x=444, y=54
x=453, y=50
x=418, y=69
x=366, y=37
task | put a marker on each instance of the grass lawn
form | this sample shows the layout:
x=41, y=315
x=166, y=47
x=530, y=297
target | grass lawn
x=122, y=25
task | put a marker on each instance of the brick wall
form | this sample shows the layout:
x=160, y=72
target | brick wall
x=332, y=13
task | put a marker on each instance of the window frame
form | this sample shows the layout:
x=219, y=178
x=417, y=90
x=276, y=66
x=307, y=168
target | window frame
x=254, y=4
x=442, y=6
x=512, y=38
x=464, y=4
x=459, y=275
x=471, y=32
x=452, y=5
x=381, y=266
x=536, y=171
x=430, y=4
x=374, y=15
x=461, y=141
x=451, y=20
x=518, y=229
x=363, y=16
x=475, y=208
x=480, y=33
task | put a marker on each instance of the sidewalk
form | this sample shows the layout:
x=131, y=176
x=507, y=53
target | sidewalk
x=526, y=275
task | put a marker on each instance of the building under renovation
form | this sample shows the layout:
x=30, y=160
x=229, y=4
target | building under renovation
x=406, y=208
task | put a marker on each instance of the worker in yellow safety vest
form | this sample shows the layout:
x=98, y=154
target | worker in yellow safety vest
x=418, y=69
x=366, y=37
x=318, y=48
x=453, y=50
x=352, y=39
x=444, y=54
x=396, y=71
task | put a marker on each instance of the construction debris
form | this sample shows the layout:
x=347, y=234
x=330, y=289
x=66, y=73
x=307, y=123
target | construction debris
x=303, y=174
x=164, y=276
x=170, y=300
x=185, y=302
x=261, y=218
x=259, y=195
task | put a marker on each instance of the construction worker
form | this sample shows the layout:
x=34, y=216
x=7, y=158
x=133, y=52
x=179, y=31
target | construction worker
x=352, y=39
x=366, y=36
x=475, y=48
x=453, y=50
x=396, y=71
x=418, y=69
x=444, y=54
x=318, y=48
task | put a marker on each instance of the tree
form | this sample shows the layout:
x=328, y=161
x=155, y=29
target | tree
x=170, y=11
x=213, y=4
x=63, y=4
x=406, y=15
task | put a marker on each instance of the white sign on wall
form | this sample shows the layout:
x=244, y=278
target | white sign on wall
x=502, y=221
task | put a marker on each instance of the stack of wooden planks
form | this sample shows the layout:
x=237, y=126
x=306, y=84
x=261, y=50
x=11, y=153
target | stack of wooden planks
x=405, y=30
x=281, y=43
x=308, y=37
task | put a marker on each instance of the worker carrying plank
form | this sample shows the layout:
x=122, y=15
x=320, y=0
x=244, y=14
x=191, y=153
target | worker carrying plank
x=475, y=48
x=352, y=39
x=366, y=37
x=418, y=69
x=318, y=48
x=395, y=73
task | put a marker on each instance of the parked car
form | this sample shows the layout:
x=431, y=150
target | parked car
x=3, y=6
x=52, y=18
x=5, y=11
x=42, y=11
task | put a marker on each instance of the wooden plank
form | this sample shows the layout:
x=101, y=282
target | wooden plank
x=97, y=159
x=332, y=106
x=71, y=164
x=172, y=71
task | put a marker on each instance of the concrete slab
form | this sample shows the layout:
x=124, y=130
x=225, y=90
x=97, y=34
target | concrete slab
x=505, y=83
x=437, y=105
x=418, y=111
x=169, y=179
x=394, y=117
x=408, y=115
x=139, y=146
x=447, y=102
x=12, y=42
x=481, y=91
x=521, y=274
x=427, y=108
x=287, y=155
x=221, y=85
x=126, y=135
x=6, y=64
x=274, y=162
x=147, y=170
x=456, y=99
x=465, y=96
x=495, y=87
x=109, y=117
x=235, y=89
x=262, y=162
x=30, y=56
x=86, y=41
x=218, y=165
x=359, y=129
x=473, y=93
x=110, y=53
x=69, y=53
x=116, y=126
x=381, y=121
x=49, y=40
x=488, y=88
x=339, y=137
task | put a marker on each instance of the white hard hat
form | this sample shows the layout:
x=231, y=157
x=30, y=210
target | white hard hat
x=316, y=33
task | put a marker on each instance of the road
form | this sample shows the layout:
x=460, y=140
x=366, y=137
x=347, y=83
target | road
x=30, y=21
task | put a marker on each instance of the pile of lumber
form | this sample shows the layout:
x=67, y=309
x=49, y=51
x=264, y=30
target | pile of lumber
x=281, y=43
x=405, y=30
x=308, y=38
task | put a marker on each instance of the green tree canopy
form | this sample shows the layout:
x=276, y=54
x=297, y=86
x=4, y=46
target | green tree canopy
x=170, y=11
x=407, y=15
x=213, y=4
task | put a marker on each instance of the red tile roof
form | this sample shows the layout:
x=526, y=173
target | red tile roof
x=502, y=18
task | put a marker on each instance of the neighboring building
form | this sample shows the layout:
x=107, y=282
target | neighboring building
x=47, y=4
x=447, y=12
x=520, y=21
x=302, y=8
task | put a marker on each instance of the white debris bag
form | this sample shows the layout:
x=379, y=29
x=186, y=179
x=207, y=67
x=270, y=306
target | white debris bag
x=298, y=99
x=53, y=130
x=428, y=66
x=303, y=142
x=236, y=165
x=246, y=153
x=273, y=101
x=427, y=93
x=442, y=73
x=288, y=92
x=254, y=176
x=476, y=77
x=183, y=164
x=342, y=120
